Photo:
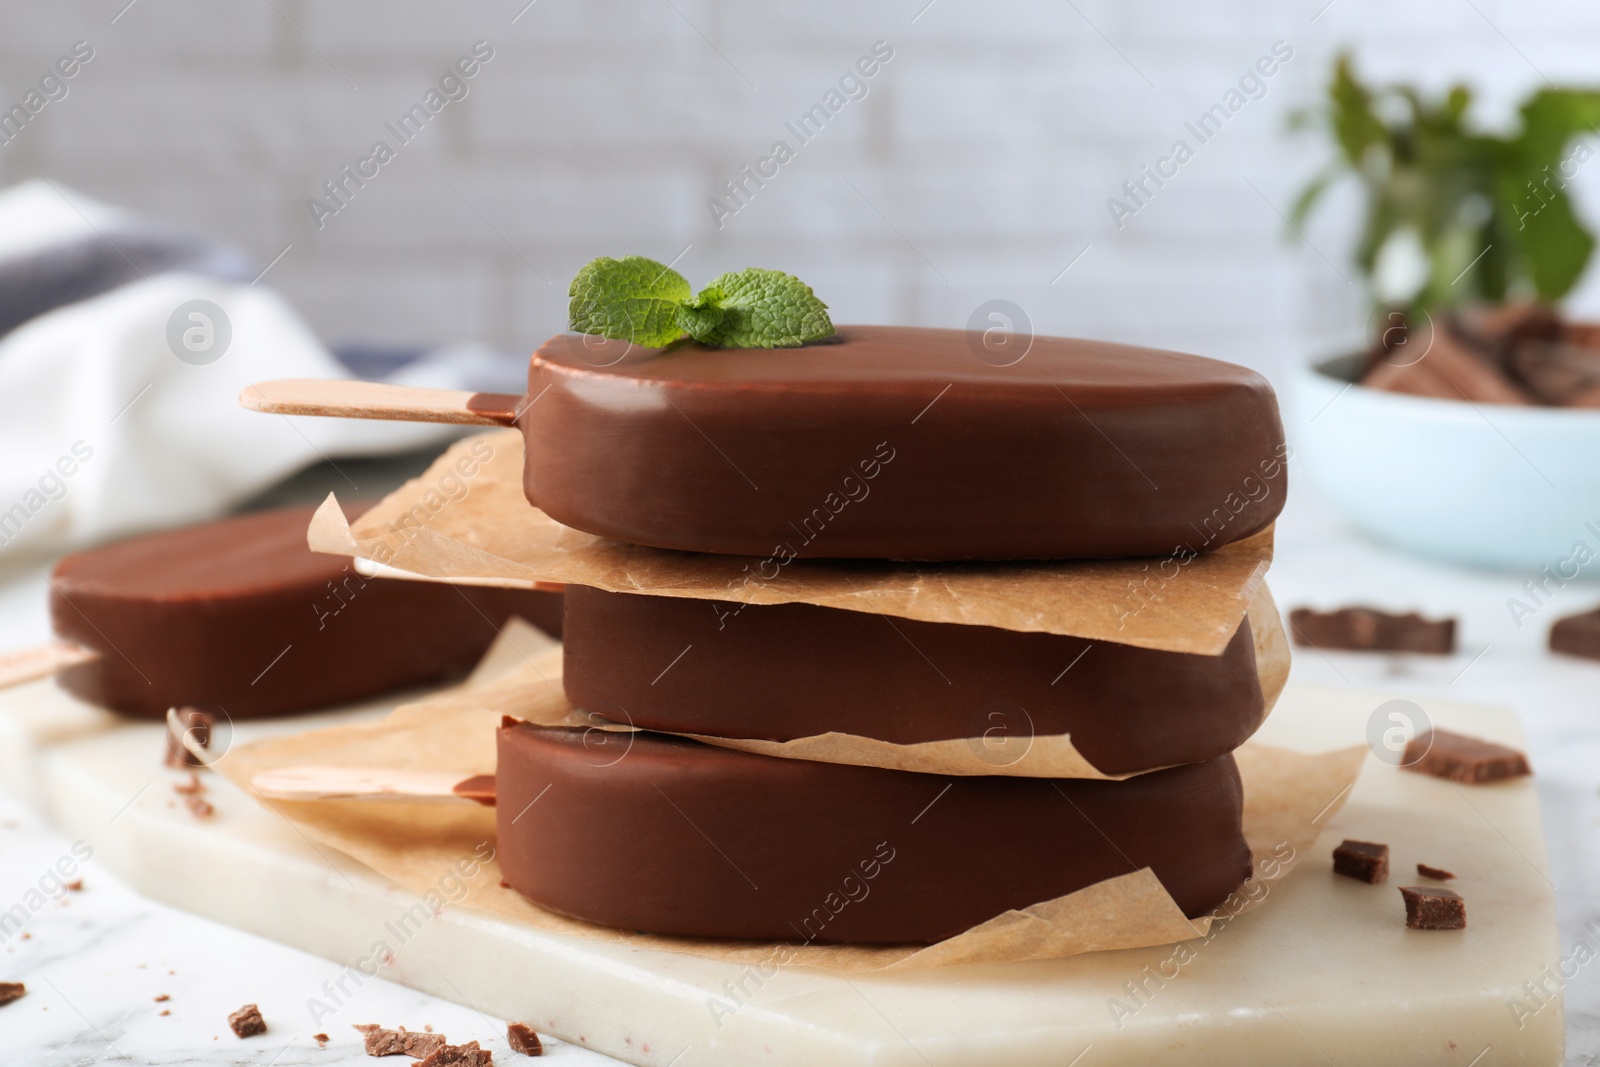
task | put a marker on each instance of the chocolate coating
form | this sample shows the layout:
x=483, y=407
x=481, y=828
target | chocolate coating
x=672, y=836
x=782, y=671
x=900, y=443
x=200, y=616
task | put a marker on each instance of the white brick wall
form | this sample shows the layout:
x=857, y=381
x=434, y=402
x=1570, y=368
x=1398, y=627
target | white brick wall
x=987, y=148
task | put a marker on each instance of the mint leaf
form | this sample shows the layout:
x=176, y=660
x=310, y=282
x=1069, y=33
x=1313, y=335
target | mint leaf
x=628, y=299
x=701, y=316
x=759, y=309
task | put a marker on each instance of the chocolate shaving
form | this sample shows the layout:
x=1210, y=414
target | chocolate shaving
x=1433, y=908
x=1508, y=354
x=521, y=1038
x=247, y=1021
x=1437, y=362
x=468, y=1055
x=1460, y=758
x=197, y=725
x=10, y=991
x=1438, y=874
x=1361, y=629
x=1365, y=861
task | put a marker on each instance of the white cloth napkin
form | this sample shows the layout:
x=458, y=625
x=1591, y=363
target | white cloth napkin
x=105, y=430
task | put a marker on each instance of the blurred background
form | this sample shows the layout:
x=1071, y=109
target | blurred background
x=978, y=165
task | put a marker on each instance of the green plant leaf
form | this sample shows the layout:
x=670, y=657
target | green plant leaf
x=628, y=299
x=1551, y=118
x=1553, y=243
x=701, y=316
x=759, y=309
x=1355, y=125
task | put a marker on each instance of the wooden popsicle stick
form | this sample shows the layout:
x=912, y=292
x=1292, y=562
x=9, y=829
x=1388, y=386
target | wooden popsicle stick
x=41, y=661
x=378, y=400
x=312, y=782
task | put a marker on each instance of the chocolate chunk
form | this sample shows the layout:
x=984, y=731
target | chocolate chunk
x=197, y=726
x=522, y=1039
x=419, y=1045
x=1359, y=629
x=1577, y=635
x=1433, y=908
x=1556, y=373
x=401, y=1042
x=241, y=615
x=1362, y=860
x=1463, y=759
x=902, y=443
x=247, y=1021
x=1437, y=873
x=753, y=673
x=468, y=1055
x=381, y=1042
x=10, y=991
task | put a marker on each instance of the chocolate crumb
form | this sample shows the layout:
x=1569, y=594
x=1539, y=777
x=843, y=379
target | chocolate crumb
x=193, y=787
x=199, y=808
x=162, y=997
x=1360, y=629
x=1433, y=908
x=247, y=1021
x=76, y=885
x=1365, y=861
x=522, y=1039
x=164, y=1011
x=196, y=724
x=1460, y=758
x=468, y=1055
x=1438, y=874
x=10, y=991
x=320, y=1039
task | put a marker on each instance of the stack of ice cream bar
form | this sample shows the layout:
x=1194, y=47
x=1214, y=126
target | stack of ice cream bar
x=889, y=444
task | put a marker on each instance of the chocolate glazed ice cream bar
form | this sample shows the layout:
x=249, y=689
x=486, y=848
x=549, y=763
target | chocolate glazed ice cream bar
x=649, y=832
x=778, y=672
x=884, y=443
x=239, y=616
x=832, y=853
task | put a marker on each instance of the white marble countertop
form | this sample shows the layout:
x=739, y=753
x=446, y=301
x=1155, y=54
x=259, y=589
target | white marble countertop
x=95, y=963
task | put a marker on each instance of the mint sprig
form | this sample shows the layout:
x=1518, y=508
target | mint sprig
x=639, y=300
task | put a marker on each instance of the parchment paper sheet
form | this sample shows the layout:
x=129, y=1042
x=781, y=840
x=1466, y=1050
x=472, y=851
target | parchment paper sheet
x=427, y=847
x=466, y=518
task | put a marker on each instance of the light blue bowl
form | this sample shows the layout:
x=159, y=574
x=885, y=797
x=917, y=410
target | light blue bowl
x=1491, y=485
